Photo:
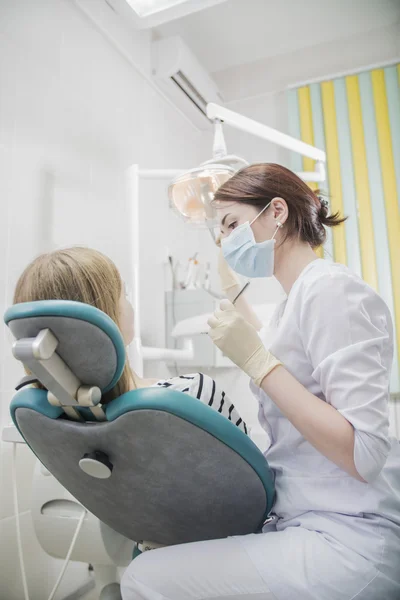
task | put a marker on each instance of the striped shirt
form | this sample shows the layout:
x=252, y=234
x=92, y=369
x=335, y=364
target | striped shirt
x=205, y=389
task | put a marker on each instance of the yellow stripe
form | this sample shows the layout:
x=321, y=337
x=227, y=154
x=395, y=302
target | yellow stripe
x=333, y=164
x=389, y=186
x=307, y=135
x=365, y=221
x=306, y=128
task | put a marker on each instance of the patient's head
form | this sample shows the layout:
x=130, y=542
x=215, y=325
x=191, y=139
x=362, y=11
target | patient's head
x=83, y=275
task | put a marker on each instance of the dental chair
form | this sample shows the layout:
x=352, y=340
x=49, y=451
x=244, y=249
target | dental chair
x=151, y=465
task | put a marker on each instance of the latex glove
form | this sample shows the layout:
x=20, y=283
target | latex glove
x=239, y=341
x=231, y=286
x=230, y=282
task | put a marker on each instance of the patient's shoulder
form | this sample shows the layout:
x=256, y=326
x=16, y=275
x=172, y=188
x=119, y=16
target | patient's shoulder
x=182, y=383
x=198, y=385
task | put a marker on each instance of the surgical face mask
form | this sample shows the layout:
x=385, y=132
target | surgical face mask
x=246, y=256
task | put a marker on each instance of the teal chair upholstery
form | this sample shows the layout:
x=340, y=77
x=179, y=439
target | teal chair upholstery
x=178, y=471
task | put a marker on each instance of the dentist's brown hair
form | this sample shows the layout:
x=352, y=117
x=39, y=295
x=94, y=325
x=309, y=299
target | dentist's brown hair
x=258, y=184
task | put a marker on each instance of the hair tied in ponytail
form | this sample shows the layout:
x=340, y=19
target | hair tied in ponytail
x=324, y=203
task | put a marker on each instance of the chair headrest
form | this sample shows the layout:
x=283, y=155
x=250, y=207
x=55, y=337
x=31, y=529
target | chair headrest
x=90, y=343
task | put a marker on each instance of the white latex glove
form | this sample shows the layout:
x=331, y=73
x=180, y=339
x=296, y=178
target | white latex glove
x=239, y=341
x=230, y=282
x=231, y=285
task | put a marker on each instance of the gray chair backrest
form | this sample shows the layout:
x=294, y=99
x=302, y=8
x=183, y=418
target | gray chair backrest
x=172, y=482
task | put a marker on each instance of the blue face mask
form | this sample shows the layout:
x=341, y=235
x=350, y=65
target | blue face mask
x=246, y=256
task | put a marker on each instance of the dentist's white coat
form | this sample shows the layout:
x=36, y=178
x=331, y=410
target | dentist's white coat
x=335, y=538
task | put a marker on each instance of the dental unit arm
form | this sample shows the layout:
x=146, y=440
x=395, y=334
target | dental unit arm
x=238, y=121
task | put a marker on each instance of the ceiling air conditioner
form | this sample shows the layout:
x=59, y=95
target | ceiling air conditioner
x=181, y=76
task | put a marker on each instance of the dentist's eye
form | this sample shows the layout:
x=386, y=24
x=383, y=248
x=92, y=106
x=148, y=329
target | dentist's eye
x=232, y=225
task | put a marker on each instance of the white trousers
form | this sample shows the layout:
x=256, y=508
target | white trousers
x=203, y=570
x=293, y=564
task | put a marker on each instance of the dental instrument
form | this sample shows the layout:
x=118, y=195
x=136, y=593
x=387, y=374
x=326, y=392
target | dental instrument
x=244, y=288
x=246, y=285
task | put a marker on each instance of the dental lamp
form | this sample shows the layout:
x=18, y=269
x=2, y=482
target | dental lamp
x=191, y=193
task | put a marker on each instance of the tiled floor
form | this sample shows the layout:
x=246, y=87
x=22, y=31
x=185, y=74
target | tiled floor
x=90, y=596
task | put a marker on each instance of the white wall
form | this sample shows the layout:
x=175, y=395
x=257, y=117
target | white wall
x=74, y=114
x=287, y=68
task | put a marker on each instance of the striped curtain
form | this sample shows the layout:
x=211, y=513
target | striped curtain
x=356, y=120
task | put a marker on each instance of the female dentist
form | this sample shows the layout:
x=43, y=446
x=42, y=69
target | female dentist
x=323, y=388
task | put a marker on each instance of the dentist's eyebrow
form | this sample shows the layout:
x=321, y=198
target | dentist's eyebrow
x=224, y=219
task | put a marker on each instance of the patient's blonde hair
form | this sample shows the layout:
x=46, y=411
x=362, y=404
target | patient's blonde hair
x=79, y=274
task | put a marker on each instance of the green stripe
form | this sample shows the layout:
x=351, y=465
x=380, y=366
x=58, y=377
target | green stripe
x=393, y=99
x=378, y=208
x=347, y=171
x=319, y=141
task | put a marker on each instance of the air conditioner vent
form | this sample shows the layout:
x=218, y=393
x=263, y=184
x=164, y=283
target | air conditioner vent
x=187, y=88
x=180, y=75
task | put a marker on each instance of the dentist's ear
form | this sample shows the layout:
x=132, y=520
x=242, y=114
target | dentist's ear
x=280, y=210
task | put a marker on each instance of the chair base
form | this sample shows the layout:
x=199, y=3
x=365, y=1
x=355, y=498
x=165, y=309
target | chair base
x=112, y=591
x=105, y=578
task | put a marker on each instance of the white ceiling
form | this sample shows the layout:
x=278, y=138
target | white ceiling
x=239, y=32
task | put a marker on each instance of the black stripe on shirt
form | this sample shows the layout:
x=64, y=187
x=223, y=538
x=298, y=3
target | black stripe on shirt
x=238, y=422
x=222, y=402
x=230, y=412
x=200, y=386
x=212, y=394
x=185, y=390
x=183, y=377
x=245, y=428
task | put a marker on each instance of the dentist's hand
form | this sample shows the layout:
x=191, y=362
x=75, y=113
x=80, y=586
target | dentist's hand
x=239, y=341
x=230, y=282
x=231, y=286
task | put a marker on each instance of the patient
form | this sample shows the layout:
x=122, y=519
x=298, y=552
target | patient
x=86, y=275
